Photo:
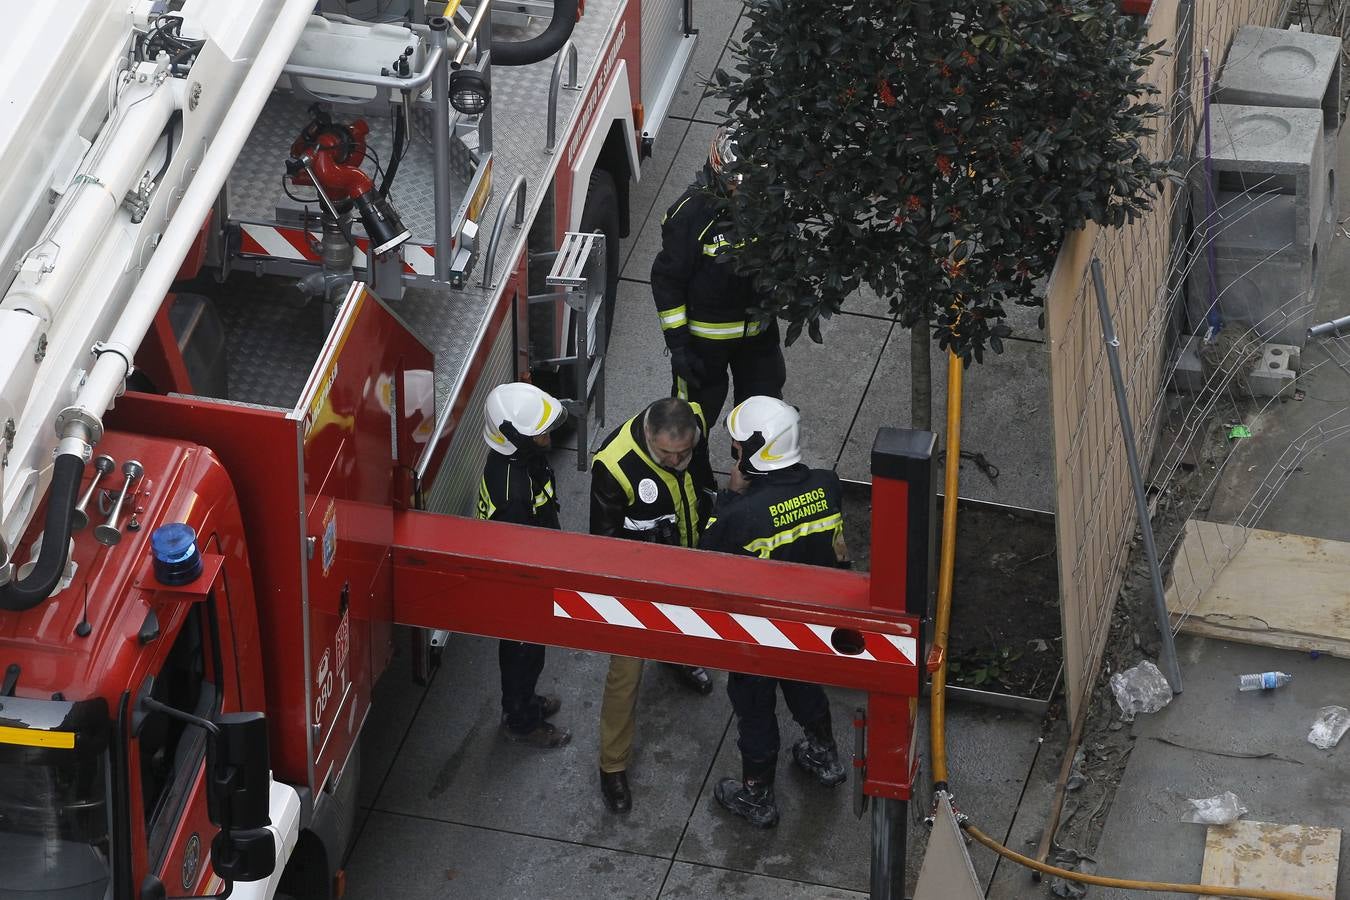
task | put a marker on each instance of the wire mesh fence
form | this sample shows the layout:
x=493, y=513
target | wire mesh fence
x=1181, y=388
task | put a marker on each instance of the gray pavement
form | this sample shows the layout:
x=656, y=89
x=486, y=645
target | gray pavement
x=451, y=810
x=1212, y=739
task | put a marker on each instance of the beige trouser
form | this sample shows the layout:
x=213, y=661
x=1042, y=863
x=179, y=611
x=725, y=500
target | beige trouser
x=618, y=712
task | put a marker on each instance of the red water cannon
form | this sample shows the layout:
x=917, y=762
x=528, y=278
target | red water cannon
x=327, y=156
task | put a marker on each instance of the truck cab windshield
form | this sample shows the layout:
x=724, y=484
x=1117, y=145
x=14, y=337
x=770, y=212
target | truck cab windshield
x=55, y=839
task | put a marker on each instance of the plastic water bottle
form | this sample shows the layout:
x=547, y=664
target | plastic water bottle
x=1263, y=681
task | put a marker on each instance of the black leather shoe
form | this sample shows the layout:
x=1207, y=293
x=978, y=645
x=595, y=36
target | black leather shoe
x=614, y=785
x=696, y=678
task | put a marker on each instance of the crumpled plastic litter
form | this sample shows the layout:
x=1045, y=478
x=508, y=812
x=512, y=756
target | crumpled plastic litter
x=1140, y=689
x=1224, y=809
x=1329, y=727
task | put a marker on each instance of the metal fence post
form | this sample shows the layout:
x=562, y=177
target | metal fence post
x=1169, y=651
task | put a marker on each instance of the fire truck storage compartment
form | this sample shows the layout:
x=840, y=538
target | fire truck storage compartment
x=201, y=339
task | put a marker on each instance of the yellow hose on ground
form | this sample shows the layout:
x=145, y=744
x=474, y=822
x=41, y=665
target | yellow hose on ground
x=1207, y=890
x=937, y=706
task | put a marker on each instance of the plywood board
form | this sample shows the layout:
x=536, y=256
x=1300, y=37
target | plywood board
x=1300, y=859
x=1262, y=587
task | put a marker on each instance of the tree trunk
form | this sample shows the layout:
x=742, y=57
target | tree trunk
x=921, y=376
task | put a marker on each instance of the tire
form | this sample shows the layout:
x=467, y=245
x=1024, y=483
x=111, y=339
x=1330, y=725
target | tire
x=601, y=213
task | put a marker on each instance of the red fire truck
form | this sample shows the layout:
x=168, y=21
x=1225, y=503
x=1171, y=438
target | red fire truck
x=217, y=503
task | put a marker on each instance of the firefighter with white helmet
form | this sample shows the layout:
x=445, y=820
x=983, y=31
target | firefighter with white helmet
x=708, y=311
x=778, y=509
x=517, y=487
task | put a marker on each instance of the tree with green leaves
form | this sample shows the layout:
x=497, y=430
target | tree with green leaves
x=936, y=151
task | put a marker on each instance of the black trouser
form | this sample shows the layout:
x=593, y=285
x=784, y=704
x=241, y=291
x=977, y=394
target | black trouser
x=753, y=697
x=756, y=368
x=748, y=366
x=521, y=665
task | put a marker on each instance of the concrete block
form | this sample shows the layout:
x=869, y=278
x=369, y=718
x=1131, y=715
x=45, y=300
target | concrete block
x=1276, y=372
x=1274, y=293
x=1275, y=67
x=1258, y=155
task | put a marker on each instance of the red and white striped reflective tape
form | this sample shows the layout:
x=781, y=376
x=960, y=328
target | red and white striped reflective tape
x=649, y=615
x=290, y=243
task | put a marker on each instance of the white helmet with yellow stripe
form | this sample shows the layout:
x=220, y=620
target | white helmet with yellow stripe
x=767, y=430
x=516, y=413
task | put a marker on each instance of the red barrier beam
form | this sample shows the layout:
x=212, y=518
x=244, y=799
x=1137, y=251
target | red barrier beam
x=644, y=600
x=805, y=623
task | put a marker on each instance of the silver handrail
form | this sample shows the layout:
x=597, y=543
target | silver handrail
x=568, y=52
x=517, y=192
x=474, y=23
x=432, y=63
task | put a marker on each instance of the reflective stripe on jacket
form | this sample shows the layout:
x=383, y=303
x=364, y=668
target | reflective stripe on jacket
x=635, y=497
x=794, y=515
x=696, y=288
x=519, y=490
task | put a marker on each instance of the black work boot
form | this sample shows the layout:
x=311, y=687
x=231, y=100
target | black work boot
x=548, y=704
x=751, y=798
x=817, y=754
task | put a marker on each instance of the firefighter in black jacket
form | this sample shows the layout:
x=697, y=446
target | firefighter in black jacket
x=643, y=489
x=706, y=309
x=777, y=509
x=517, y=487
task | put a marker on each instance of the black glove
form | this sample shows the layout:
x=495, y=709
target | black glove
x=684, y=362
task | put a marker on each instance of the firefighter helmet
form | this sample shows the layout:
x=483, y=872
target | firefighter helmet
x=516, y=413
x=722, y=154
x=767, y=430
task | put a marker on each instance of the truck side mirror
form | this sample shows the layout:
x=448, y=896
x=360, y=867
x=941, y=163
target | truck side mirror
x=152, y=888
x=239, y=854
x=240, y=772
x=239, y=786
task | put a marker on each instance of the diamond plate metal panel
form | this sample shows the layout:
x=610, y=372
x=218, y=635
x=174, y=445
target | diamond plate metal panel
x=452, y=323
x=270, y=346
x=255, y=187
x=273, y=346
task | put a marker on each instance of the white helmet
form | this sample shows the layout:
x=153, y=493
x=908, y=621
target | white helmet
x=767, y=430
x=517, y=412
x=724, y=153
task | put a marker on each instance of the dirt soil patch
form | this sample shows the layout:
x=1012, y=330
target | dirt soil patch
x=1006, y=635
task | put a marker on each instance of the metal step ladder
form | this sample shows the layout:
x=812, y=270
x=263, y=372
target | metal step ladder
x=579, y=271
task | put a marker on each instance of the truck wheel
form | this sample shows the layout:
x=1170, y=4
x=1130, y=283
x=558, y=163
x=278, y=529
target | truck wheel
x=601, y=213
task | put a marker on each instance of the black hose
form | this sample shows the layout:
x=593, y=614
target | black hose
x=400, y=139
x=17, y=596
x=523, y=53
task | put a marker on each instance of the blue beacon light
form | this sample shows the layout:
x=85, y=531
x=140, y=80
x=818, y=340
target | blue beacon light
x=177, y=561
